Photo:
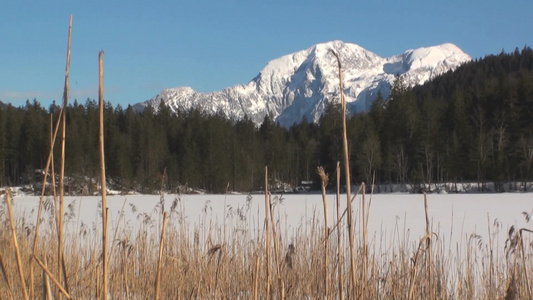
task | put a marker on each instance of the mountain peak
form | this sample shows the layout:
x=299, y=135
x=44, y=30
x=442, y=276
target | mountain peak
x=302, y=83
x=430, y=56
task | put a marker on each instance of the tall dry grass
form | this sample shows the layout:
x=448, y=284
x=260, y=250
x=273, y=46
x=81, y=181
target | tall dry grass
x=195, y=262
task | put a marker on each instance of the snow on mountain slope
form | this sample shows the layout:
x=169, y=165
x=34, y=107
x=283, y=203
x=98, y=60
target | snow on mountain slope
x=302, y=83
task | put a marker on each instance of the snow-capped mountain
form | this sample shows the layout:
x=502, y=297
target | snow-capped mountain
x=302, y=83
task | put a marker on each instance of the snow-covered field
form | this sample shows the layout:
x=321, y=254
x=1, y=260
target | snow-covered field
x=393, y=217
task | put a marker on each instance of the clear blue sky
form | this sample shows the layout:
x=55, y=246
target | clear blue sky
x=210, y=45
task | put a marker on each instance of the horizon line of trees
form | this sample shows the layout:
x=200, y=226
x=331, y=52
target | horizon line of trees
x=473, y=124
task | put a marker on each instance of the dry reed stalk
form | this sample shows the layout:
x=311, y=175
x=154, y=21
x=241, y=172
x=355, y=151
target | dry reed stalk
x=225, y=195
x=345, y=210
x=276, y=250
x=339, y=237
x=347, y=175
x=161, y=244
x=96, y=282
x=125, y=271
x=491, y=258
x=53, y=135
x=64, y=271
x=53, y=177
x=54, y=191
x=57, y=283
x=102, y=171
x=217, y=248
x=528, y=284
x=428, y=248
x=324, y=183
x=366, y=216
x=162, y=196
x=48, y=291
x=364, y=224
x=62, y=167
x=256, y=281
x=15, y=243
x=414, y=270
x=121, y=215
x=427, y=240
x=267, y=227
x=6, y=278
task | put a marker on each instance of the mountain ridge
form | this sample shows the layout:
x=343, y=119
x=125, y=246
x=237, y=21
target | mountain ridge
x=302, y=83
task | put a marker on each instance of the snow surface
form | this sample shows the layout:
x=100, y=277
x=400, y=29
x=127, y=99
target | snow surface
x=302, y=83
x=455, y=218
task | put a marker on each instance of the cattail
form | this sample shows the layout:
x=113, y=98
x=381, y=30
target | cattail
x=324, y=183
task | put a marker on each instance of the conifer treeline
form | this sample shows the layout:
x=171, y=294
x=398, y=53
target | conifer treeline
x=474, y=124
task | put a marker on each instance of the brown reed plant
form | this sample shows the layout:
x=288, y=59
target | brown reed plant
x=428, y=253
x=491, y=257
x=102, y=171
x=159, y=261
x=364, y=226
x=15, y=244
x=6, y=277
x=267, y=229
x=339, y=237
x=49, y=161
x=256, y=276
x=62, y=166
x=347, y=178
x=524, y=262
x=281, y=287
x=429, y=262
x=324, y=183
x=46, y=283
x=51, y=276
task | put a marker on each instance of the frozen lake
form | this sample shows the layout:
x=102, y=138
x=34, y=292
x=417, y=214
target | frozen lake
x=392, y=218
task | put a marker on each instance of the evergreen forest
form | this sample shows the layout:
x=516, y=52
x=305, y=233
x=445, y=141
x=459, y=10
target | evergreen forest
x=471, y=125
